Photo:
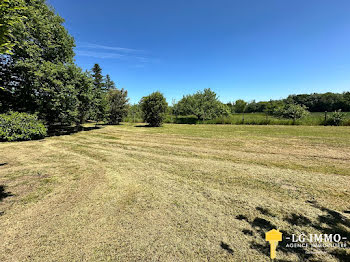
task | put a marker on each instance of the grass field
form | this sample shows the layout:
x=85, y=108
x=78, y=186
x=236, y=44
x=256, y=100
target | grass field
x=175, y=193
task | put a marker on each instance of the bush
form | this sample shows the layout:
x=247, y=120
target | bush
x=336, y=119
x=16, y=126
x=153, y=108
x=291, y=111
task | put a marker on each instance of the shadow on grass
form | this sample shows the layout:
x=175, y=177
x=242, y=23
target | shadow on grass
x=3, y=193
x=226, y=247
x=68, y=130
x=107, y=124
x=145, y=125
x=330, y=222
x=264, y=211
x=3, y=164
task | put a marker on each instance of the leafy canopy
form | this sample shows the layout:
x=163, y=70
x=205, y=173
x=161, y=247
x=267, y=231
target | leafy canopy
x=203, y=104
x=117, y=105
x=154, y=107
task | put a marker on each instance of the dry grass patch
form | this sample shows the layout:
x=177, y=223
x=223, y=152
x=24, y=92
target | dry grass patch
x=176, y=193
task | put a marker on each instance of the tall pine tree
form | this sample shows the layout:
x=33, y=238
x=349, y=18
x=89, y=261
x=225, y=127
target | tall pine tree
x=109, y=83
x=99, y=105
x=117, y=105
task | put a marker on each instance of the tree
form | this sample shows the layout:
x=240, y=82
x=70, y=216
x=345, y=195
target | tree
x=224, y=110
x=203, y=104
x=109, y=83
x=346, y=101
x=39, y=75
x=117, y=105
x=84, y=88
x=100, y=103
x=251, y=107
x=153, y=108
x=63, y=93
x=10, y=17
x=98, y=77
x=292, y=111
x=231, y=106
x=272, y=106
x=240, y=106
x=134, y=112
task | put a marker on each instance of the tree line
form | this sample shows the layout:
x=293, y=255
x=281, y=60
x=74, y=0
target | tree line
x=315, y=102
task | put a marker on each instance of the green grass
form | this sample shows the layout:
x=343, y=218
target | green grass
x=174, y=193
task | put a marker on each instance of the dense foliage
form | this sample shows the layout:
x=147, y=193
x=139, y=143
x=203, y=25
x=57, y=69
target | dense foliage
x=203, y=104
x=153, y=108
x=240, y=106
x=117, y=105
x=322, y=102
x=336, y=118
x=10, y=16
x=291, y=111
x=99, y=103
x=16, y=126
x=39, y=75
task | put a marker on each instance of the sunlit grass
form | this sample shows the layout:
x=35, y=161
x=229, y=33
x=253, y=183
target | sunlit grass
x=174, y=193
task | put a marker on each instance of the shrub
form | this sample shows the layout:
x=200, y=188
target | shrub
x=16, y=126
x=291, y=111
x=153, y=108
x=336, y=119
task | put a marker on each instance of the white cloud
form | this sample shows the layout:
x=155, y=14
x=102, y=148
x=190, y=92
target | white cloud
x=111, y=52
x=103, y=47
x=99, y=54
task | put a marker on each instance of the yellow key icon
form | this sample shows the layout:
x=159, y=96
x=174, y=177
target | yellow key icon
x=273, y=236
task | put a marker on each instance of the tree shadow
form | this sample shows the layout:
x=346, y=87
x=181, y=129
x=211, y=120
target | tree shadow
x=108, y=124
x=68, y=130
x=248, y=232
x=226, y=247
x=298, y=220
x=329, y=222
x=242, y=217
x=260, y=226
x=333, y=222
x=146, y=125
x=3, y=193
x=264, y=211
x=3, y=164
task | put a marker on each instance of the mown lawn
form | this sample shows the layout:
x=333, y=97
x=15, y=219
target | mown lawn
x=175, y=193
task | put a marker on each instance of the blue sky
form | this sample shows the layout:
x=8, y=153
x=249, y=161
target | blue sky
x=261, y=49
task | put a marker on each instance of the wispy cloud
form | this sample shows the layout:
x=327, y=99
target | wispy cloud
x=112, y=52
x=99, y=54
x=104, y=47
